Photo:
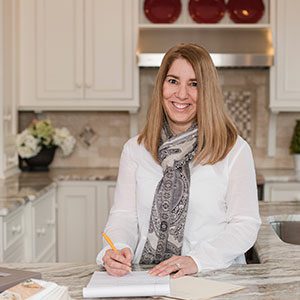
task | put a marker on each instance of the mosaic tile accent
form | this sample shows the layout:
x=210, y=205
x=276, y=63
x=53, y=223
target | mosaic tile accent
x=87, y=136
x=239, y=107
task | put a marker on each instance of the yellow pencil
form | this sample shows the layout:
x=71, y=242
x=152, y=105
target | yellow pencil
x=109, y=241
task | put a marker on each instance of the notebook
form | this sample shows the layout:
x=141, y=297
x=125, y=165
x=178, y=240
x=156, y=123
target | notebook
x=140, y=283
x=136, y=283
x=11, y=277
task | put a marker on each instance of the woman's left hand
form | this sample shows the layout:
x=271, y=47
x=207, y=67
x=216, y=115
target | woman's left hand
x=182, y=265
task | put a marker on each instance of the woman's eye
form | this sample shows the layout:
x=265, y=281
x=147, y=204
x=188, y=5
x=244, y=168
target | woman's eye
x=194, y=84
x=172, y=80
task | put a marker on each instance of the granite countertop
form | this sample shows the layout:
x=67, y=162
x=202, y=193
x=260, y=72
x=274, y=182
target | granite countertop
x=277, y=276
x=27, y=186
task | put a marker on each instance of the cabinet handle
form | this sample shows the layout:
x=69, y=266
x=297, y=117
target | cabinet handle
x=7, y=117
x=41, y=231
x=16, y=229
x=88, y=85
x=11, y=159
x=50, y=222
x=78, y=85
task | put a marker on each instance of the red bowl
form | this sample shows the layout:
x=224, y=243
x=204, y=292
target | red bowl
x=207, y=11
x=162, y=11
x=245, y=11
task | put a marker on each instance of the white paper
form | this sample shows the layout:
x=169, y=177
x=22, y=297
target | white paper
x=196, y=288
x=136, y=283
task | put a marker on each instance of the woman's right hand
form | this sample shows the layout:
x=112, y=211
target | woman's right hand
x=117, y=264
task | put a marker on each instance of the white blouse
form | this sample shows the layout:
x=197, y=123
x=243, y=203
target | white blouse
x=223, y=218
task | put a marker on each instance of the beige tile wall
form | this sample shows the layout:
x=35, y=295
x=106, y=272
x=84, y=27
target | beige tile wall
x=112, y=128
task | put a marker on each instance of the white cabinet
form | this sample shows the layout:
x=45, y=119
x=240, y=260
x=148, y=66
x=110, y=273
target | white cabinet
x=282, y=191
x=78, y=54
x=12, y=236
x=83, y=208
x=41, y=228
x=28, y=234
x=285, y=79
x=8, y=111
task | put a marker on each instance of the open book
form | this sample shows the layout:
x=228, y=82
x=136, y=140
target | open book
x=35, y=289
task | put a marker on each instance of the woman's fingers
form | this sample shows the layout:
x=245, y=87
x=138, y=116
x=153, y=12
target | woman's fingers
x=126, y=253
x=179, y=265
x=115, y=263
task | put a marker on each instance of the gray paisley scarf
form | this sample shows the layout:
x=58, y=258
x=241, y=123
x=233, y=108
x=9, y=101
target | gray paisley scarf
x=170, y=204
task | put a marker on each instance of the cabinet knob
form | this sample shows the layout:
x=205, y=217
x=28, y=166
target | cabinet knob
x=41, y=231
x=78, y=85
x=11, y=159
x=7, y=117
x=16, y=229
x=88, y=85
x=50, y=222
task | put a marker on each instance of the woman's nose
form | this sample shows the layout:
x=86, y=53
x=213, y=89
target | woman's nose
x=182, y=92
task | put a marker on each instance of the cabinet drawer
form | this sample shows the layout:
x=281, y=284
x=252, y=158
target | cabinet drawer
x=44, y=225
x=13, y=228
x=289, y=191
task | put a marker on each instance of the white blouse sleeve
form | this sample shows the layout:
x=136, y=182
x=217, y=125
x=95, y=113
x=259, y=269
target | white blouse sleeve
x=242, y=217
x=122, y=225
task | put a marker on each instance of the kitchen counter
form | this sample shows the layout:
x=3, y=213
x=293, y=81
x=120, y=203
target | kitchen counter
x=276, y=277
x=27, y=186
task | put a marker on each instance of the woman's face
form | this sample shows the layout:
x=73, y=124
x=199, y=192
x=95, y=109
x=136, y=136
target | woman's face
x=180, y=95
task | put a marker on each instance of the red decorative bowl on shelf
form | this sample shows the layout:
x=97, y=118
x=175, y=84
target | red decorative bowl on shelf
x=162, y=11
x=207, y=11
x=245, y=11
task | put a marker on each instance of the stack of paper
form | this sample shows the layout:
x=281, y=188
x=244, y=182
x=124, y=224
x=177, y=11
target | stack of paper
x=35, y=289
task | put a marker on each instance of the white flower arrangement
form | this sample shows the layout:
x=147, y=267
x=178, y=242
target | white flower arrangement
x=41, y=134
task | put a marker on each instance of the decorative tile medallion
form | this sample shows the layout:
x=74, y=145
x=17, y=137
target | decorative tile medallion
x=239, y=106
x=87, y=136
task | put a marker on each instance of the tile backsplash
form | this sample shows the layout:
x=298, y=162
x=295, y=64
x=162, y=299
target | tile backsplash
x=101, y=135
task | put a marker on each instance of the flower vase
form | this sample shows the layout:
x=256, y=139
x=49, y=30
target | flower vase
x=40, y=162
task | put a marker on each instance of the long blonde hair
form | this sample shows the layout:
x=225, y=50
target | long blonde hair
x=216, y=132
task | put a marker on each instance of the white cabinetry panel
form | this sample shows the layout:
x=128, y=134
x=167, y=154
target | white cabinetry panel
x=59, y=49
x=285, y=80
x=78, y=54
x=8, y=110
x=109, y=47
x=282, y=191
x=82, y=214
x=41, y=228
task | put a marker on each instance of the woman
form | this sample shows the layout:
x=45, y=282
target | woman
x=186, y=197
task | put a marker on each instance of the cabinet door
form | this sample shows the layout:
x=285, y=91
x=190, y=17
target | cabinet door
x=59, y=49
x=77, y=225
x=41, y=228
x=109, y=55
x=284, y=191
x=13, y=246
x=285, y=80
x=8, y=115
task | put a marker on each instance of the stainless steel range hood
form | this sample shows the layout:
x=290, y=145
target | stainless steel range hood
x=228, y=48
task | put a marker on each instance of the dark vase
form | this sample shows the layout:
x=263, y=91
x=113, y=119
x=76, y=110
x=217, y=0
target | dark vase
x=40, y=162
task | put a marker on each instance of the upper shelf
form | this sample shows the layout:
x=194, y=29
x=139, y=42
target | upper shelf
x=185, y=21
x=205, y=26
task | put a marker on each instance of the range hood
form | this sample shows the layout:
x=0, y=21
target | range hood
x=228, y=48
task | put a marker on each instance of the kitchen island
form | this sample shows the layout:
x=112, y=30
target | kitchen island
x=277, y=276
